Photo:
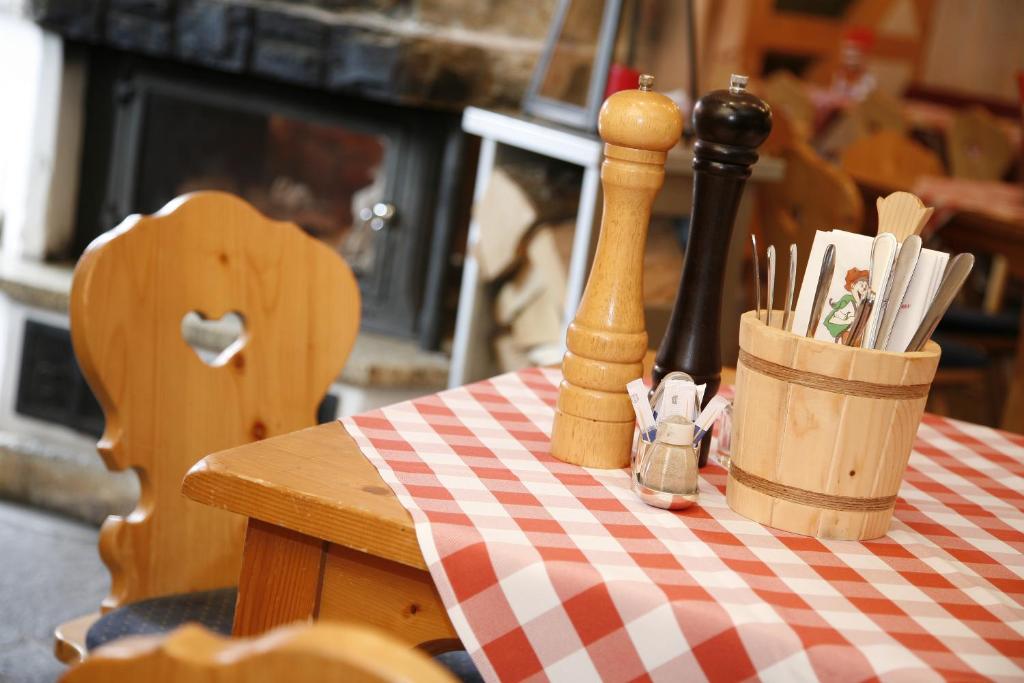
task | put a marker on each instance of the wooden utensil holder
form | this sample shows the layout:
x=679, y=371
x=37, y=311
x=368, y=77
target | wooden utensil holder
x=822, y=432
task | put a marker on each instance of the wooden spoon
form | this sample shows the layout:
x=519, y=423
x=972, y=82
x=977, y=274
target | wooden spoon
x=902, y=214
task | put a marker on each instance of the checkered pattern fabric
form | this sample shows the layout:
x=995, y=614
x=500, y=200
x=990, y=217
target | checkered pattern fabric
x=998, y=200
x=551, y=571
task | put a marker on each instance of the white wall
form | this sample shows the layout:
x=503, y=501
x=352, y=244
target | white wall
x=15, y=7
x=34, y=219
x=976, y=47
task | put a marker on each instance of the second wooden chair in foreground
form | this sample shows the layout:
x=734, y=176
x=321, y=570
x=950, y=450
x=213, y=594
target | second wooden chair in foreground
x=321, y=653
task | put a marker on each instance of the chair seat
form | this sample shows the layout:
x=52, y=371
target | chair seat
x=461, y=665
x=213, y=609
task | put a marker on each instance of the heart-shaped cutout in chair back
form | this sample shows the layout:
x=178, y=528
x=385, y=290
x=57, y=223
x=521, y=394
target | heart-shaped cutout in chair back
x=214, y=341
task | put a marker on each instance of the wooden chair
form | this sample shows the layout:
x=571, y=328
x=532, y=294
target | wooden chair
x=787, y=94
x=166, y=408
x=321, y=653
x=978, y=147
x=813, y=195
x=877, y=112
x=889, y=161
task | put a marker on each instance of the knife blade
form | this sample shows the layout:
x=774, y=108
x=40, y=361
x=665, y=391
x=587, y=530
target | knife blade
x=860, y=320
x=883, y=256
x=828, y=267
x=952, y=280
x=771, y=284
x=790, y=287
x=903, y=273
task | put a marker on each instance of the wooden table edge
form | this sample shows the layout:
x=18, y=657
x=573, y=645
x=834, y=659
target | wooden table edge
x=212, y=482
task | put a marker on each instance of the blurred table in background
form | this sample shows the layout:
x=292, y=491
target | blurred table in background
x=998, y=202
x=984, y=217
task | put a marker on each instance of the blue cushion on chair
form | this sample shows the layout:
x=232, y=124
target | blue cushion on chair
x=213, y=609
x=216, y=611
x=461, y=666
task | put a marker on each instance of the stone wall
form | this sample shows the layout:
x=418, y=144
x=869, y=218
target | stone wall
x=437, y=53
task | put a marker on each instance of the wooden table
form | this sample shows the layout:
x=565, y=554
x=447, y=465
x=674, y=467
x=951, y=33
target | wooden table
x=326, y=538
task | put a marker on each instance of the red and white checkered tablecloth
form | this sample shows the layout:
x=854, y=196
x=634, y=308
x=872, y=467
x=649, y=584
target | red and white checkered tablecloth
x=551, y=571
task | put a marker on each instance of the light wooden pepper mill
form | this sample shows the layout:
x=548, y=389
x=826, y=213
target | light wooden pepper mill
x=608, y=339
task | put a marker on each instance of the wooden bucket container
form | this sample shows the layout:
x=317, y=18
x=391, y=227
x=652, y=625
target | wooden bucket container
x=822, y=432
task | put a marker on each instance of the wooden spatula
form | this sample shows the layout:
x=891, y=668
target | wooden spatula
x=902, y=214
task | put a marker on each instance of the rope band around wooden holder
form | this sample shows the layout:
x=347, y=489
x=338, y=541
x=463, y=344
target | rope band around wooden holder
x=816, y=499
x=847, y=387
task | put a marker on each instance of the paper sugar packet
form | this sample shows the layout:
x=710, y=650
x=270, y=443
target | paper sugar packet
x=850, y=284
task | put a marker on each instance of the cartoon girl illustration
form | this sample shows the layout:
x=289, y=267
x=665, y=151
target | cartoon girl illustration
x=844, y=310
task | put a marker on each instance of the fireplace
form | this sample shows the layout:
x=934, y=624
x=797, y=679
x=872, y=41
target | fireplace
x=364, y=177
x=340, y=115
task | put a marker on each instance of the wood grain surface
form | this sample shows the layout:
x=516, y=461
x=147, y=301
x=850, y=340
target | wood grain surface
x=165, y=408
x=902, y=214
x=69, y=638
x=280, y=579
x=316, y=485
x=821, y=440
x=321, y=653
x=607, y=340
x=390, y=596
x=315, y=481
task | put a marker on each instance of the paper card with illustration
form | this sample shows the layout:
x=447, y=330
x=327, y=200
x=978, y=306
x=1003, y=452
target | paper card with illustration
x=850, y=285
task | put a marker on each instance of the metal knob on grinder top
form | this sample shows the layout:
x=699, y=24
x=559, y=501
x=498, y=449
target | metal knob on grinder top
x=730, y=125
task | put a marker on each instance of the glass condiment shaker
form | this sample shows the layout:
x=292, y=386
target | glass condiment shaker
x=724, y=451
x=665, y=471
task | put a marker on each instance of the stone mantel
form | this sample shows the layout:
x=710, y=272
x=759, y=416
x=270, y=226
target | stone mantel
x=433, y=53
x=376, y=361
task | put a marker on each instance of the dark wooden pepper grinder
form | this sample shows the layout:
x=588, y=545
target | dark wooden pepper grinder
x=729, y=125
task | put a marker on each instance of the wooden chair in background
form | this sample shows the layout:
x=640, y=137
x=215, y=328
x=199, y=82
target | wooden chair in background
x=978, y=147
x=165, y=408
x=788, y=95
x=877, y=112
x=888, y=160
x=320, y=653
x=813, y=195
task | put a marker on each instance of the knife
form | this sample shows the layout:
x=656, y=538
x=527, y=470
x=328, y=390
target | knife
x=860, y=321
x=883, y=256
x=790, y=286
x=771, y=283
x=828, y=267
x=953, y=279
x=903, y=273
x=757, y=277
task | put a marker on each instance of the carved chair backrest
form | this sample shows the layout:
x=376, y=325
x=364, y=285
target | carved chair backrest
x=889, y=161
x=813, y=195
x=978, y=147
x=318, y=653
x=213, y=254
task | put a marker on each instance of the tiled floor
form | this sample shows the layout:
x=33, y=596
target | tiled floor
x=50, y=571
